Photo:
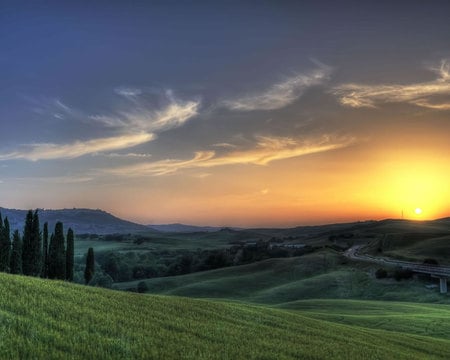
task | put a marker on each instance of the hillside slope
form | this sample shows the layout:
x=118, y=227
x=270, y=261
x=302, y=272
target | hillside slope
x=322, y=274
x=44, y=319
x=82, y=221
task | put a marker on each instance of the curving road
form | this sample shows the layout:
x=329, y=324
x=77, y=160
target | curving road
x=433, y=270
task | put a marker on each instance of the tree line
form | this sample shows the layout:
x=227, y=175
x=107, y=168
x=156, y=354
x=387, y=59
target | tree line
x=40, y=254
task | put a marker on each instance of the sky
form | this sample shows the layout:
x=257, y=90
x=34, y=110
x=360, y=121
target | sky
x=246, y=113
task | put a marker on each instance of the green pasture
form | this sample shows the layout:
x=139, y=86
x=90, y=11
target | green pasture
x=44, y=319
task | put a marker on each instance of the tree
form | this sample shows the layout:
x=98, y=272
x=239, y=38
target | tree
x=69, y=255
x=31, y=246
x=381, y=273
x=5, y=245
x=16, y=254
x=90, y=266
x=142, y=287
x=111, y=267
x=44, y=273
x=36, y=241
x=430, y=261
x=27, y=252
x=57, y=254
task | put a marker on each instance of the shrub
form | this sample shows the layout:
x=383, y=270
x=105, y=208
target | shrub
x=381, y=274
x=400, y=274
x=142, y=287
x=430, y=261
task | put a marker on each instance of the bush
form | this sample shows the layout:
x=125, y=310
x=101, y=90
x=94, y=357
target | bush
x=381, y=274
x=142, y=287
x=400, y=274
x=101, y=280
x=430, y=261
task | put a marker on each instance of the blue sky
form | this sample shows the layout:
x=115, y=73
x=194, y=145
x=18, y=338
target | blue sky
x=168, y=111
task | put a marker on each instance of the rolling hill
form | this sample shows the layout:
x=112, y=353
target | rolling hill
x=324, y=274
x=183, y=228
x=82, y=221
x=43, y=319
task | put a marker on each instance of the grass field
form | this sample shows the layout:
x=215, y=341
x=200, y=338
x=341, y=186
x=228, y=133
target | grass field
x=420, y=319
x=168, y=241
x=44, y=319
x=322, y=274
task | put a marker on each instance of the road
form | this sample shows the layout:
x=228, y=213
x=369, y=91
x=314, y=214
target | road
x=434, y=270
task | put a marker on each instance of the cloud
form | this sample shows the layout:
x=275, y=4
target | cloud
x=225, y=145
x=267, y=149
x=281, y=94
x=68, y=179
x=175, y=114
x=76, y=149
x=128, y=92
x=132, y=128
x=126, y=155
x=430, y=94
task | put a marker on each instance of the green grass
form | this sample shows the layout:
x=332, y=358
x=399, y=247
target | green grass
x=323, y=274
x=168, y=241
x=421, y=319
x=44, y=319
x=419, y=246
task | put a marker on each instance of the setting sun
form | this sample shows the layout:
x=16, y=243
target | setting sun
x=418, y=211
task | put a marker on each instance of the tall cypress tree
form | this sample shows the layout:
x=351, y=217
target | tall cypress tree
x=16, y=254
x=69, y=255
x=27, y=247
x=90, y=266
x=36, y=240
x=44, y=272
x=5, y=246
x=56, y=254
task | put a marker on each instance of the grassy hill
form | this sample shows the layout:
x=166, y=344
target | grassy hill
x=44, y=319
x=322, y=274
x=421, y=319
x=80, y=220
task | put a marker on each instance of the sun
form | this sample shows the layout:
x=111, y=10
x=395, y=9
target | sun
x=418, y=211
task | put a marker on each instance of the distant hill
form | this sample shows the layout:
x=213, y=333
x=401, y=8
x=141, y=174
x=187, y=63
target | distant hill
x=82, y=221
x=182, y=228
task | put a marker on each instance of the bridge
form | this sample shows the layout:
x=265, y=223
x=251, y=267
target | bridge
x=440, y=272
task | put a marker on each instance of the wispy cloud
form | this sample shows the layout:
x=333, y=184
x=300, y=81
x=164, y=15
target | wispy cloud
x=67, y=179
x=175, y=114
x=125, y=155
x=428, y=94
x=281, y=94
x=76, y=149
x=225, y=145
x=128, y=92
x=132, y=128
x=267, y=149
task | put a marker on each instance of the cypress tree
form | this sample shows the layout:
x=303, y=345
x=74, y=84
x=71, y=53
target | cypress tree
x=69, y=255
x=44, y=273
x=36, y=240
x=5, y=245
x=16, y=254
x=90, y=266
x=57, y=254
x=27, y=248
x=4, y=251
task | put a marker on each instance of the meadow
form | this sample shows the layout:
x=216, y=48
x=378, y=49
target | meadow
x=317, y=305
x=44, y=319
x=324, y=274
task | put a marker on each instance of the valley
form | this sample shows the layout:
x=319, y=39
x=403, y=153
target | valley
x=304, y=292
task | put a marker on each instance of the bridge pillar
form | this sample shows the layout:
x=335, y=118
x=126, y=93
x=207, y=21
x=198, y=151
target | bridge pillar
x=443, y=285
